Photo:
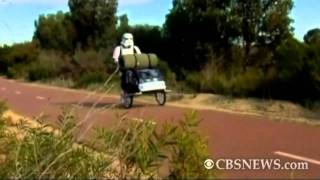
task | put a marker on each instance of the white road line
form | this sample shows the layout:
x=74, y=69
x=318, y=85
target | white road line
x=292, y=156
x=18, y=92
x=40, y=98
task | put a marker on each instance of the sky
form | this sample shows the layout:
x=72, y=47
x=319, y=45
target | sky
x=17, y=17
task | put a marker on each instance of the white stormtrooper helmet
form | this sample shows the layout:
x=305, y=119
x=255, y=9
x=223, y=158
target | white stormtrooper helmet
x=127, y=40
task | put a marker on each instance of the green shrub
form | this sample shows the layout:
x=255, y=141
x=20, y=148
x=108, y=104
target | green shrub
x=49, y=65
x=243, y=83
x=3, y=107
x=143, y=150
x=16, y=58
x=194, y=80
x=40, y=71
x=19, y=71
x=89, y=61
x=234, y=81
x=131, y=149
x=90, y=78
x=298, y=69
x=187, y=149
x=44, y=155
x=169, y=75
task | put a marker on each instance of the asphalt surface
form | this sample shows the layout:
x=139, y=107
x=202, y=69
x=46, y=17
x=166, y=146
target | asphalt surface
x=231, y=136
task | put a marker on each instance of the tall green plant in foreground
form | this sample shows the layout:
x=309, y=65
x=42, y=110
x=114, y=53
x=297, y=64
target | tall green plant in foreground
x=131, y=149
x=37, y=153
x=145, y=150
x=189, y=149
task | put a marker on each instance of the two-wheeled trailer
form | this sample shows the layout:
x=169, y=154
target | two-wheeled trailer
x=140, y=75
x=149, y=81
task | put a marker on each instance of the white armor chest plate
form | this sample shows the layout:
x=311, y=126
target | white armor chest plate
x=126, y=51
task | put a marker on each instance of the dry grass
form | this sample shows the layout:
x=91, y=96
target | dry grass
x=14, y=120
x=284, y=111
x=273, y=109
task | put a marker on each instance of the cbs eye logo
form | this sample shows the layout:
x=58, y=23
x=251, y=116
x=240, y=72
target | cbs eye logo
x=208, y=164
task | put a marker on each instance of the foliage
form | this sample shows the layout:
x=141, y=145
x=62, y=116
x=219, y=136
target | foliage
x=50, y=64
x=168, y=74
x=298, y=69
x=264, y=22
x=55, y=31
x=195, y=29
x=232, y=47
x=90, y=78
x=3, y=107
x=89, y=67
x=94, y=21
x=14, y=60
x=234, y=81
x=312, y=36
x=143, y=150
x=187, y=149
x=122, y=26
x=89, y=24
x=131, y=149
x=42, y=154
x=148, y=38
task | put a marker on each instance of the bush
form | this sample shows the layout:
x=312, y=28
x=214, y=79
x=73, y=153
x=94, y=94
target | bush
x=49, y=65
x=297, y=67
x=233, y=81
x=19, y=71
x=89, y=67
x=90, y=78
x=41, y=154
x=187, y=149
x=132, y=149
x=3, y=107
x=16, y=58
x=168, y=74
x=89, y=61
x=143, y=150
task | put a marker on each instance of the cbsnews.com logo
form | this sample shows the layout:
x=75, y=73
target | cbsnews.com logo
x=254, y=164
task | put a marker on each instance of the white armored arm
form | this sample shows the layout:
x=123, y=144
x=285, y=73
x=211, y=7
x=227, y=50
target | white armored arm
x=116, y=54
x=137, y=50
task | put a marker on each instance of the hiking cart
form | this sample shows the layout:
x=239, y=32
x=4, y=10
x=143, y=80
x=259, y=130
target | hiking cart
x=140, y=76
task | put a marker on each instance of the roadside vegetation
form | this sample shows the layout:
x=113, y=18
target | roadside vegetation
x=234, y=48
x=130, y=149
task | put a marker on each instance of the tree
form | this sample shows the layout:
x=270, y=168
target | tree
x=264, y=23
x=14, y=60
x=196, y=30
x=95, y=21
x=312, y=36
x=123, y=25
x=148, y=38
x=55, y=31
x=312, y=41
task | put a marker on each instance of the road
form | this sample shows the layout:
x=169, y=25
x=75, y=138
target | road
x=230, y=135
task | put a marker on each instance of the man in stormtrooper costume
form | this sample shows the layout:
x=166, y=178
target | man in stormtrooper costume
x=126, y=47
x=135, y=81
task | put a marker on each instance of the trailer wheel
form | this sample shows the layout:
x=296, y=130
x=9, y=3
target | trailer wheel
x=161, y=97
x=126, y=100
